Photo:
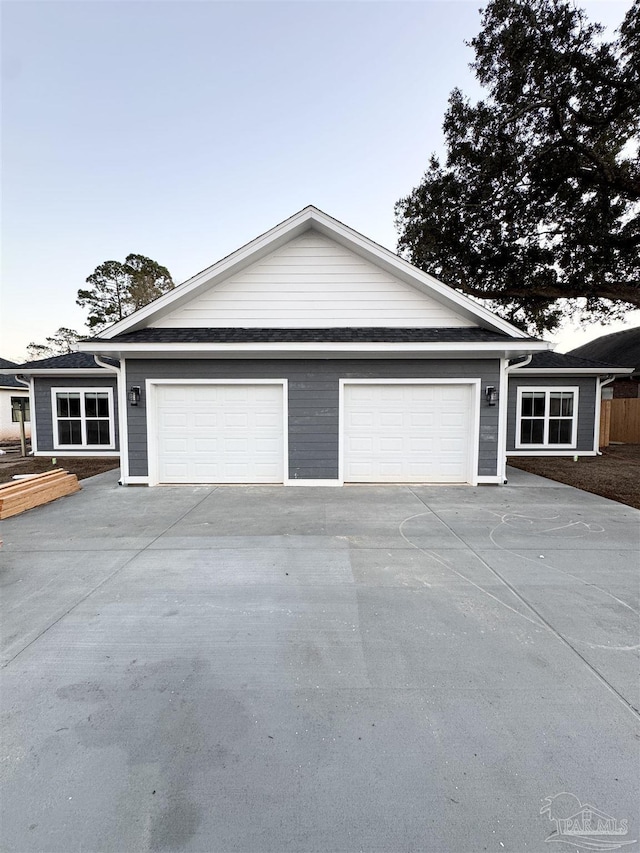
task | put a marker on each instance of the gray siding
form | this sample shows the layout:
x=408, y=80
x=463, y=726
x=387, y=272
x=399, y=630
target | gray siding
x=586, y=406
x=44, y=415
x=313, y=401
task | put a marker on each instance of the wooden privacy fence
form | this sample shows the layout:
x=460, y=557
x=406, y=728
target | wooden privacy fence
x=620, y=421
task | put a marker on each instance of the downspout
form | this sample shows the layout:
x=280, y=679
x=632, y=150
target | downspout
x=121, y=410
x=600, y=383
x=509, y=368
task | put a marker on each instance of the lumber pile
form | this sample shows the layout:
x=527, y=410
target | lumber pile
x=40, y=489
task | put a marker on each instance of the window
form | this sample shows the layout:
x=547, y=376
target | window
x=546, y=417
x=16, y=402
x=83, y=418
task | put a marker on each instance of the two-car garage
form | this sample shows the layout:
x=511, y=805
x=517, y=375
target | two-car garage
x=236, y=431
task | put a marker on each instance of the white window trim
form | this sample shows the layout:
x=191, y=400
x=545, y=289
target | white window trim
x=547, y=390
x=83, y=421
x=151, y=387
x=474, y=426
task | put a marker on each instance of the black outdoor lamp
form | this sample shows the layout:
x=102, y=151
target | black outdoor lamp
x=134, y=395
x=491, y=393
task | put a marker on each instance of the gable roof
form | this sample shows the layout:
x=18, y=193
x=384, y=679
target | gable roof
x=618, y=348
x=310, y=218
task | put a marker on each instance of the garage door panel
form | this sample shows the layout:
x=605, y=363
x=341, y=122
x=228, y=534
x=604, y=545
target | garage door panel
x=220, y=434
x=173, y=419
x=204, y=419
x=407, y=433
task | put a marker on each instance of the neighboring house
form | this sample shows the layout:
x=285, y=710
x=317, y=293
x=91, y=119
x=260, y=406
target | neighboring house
x=13, y=394
x=617, y=348
x=554, y=405
x=74, y=405
x=312, y=356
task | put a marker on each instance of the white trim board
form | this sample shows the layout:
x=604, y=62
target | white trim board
x=551, y=452
x=96, y=454
x=451, y=349
x=317, y=483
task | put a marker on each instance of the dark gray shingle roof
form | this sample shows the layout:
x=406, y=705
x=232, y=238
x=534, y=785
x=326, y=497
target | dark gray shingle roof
x=565, y=362
x=7, y=381
x=333, y=335
x=70, y=360
x=617, y=348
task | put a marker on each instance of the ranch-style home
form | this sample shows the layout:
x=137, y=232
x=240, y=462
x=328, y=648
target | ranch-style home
x=313, y=356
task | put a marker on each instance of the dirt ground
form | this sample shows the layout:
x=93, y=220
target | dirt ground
x=614, y=475
x=84, y=466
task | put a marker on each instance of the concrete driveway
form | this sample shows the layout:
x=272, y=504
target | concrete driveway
x=314, y=669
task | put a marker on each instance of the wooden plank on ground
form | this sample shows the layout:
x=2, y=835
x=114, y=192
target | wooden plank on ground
x=31, y=495
x=35, y=478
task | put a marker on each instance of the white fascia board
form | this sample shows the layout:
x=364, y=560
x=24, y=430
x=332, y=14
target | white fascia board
x=311, y=217
x=571, y=371
x=330, y=350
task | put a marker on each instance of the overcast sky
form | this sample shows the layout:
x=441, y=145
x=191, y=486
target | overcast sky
x=181, y=130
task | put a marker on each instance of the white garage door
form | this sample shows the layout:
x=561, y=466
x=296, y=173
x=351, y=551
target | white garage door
x=220, y=433
x=407, y=433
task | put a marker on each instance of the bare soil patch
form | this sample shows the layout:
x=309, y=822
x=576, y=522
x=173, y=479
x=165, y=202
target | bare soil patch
x=83, y=466
x=614, y=475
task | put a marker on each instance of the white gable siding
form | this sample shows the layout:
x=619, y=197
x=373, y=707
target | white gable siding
x=312, y=282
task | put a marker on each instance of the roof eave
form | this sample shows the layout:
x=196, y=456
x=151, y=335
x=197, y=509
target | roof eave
x=61, y=371
x=486, y=349
x=578, y=371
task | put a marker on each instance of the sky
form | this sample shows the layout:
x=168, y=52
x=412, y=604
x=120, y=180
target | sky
x=182, y=130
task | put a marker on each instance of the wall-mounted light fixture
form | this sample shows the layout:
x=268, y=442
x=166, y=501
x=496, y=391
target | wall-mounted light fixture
x=491, y=393
x=134, y=395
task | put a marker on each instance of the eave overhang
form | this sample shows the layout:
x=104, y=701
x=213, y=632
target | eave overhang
x=63, y=371
x=572, y=371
